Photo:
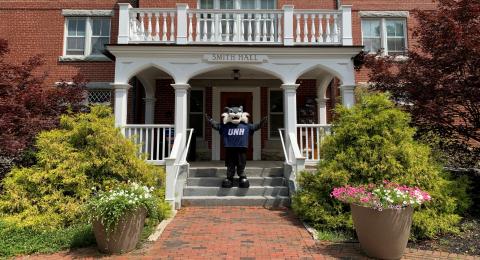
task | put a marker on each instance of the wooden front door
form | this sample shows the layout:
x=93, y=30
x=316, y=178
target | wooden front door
x=236, y=99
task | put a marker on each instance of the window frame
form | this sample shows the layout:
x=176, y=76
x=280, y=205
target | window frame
x=88, y=36
x=198, y=113
x=383, y=33
x=270, y=90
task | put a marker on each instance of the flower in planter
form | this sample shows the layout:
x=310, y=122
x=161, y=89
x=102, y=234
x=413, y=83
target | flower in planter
x=108, y=207
x=387, y=195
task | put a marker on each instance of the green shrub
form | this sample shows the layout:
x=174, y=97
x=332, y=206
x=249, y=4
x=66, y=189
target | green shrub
x=373, y=142
x=86, y=153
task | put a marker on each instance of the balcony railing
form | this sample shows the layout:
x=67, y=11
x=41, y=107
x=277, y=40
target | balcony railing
x=286, y=26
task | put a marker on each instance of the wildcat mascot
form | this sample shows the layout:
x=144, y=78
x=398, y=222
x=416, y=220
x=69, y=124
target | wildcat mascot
x=235, y=131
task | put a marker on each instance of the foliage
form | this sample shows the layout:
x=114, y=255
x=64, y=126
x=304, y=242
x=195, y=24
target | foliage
x=373, y=142
x=108, y=207
x=21, y=241
x=440, y=80
x=379, y=197
x=28, y=105
x=86, y=153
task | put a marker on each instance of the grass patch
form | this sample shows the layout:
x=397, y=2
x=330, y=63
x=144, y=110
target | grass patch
x=335, y=235
x=21, y=241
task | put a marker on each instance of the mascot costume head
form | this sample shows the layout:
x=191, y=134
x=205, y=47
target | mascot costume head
x=235, y=115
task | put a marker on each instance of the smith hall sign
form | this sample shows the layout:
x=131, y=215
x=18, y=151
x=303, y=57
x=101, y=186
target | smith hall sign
x=235, y=57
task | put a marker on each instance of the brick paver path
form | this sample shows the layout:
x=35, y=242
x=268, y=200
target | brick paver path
x=244, y=233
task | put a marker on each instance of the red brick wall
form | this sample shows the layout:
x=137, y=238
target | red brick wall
x=165, y=104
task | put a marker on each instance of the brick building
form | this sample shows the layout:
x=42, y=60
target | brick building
x=164, y=63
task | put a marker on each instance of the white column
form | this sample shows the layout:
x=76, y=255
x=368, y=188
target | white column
x=290, y=113
x=288, y=25
x=348, y=95
x=121, y=103
x=346, y=24
x=322, y=110
x=123, y=23
x=182, y=25
x=149, y=110
x=181, y=112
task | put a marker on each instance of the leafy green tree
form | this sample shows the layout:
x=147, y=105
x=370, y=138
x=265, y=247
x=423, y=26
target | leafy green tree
x=373, y=142
x=87, y=153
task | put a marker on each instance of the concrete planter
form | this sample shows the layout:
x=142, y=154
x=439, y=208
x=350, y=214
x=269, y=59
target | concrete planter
x=382, y=234
x=124, y=236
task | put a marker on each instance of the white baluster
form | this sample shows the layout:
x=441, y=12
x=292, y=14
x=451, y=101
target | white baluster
x=279, y=27
x=158, y=144
x=142, y=26
x=190, y=29
x=250, y=17
x=257, y=28
x=264, y=27
x=197, y=27
x=149, y=32
x=305, y=28
x=164, y=27
x=312, y=142
x=133, y=24
x=272, y=29
x=327, y=29
x=157, y=27
x=320, y=28
x=227, y=27
x=172, y=26
x=298, y=28
x=242, y=28
x=204, y=26
x=220, y=30
x=163, y=142
x=235, y=29
x=312, y=28
x=335, y=28
x=213, y=33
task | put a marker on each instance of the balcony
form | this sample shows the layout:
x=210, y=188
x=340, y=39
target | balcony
x=286, y=26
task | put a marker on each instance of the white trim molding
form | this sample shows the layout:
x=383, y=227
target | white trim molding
x=72, y=12
x=383, y=14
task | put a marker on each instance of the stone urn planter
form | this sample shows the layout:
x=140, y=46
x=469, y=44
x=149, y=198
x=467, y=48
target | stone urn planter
x=124, y=236
x=382, y=234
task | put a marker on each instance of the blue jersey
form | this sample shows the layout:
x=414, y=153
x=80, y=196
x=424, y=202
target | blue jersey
x=236, y=135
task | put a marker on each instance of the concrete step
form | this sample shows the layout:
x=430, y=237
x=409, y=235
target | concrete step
x=265, y=201
x=235, y=191
x=217, y=181
x=222, y=172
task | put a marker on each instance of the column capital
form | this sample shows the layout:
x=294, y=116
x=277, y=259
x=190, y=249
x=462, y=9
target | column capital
x=290, y=87
x=149, y=99
x=181, y=86
x=287, y=7
x=119, y=86
x=322, y=101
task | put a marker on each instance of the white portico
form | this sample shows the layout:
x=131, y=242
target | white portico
x=277, y=50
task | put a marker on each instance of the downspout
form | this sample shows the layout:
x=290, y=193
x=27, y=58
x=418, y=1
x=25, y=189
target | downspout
x=338, y=3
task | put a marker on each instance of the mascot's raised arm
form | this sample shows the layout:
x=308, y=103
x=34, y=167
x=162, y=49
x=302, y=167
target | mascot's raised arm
x=235, y=131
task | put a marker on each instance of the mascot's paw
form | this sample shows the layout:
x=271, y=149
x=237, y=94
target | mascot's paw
x=227, y=183
x=243, y=183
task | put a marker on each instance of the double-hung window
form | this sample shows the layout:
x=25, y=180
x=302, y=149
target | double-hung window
x=385, y=34
x=86, y=36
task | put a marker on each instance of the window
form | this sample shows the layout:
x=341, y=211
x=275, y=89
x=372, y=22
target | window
x=237, y=4
x=99, y=96
x=196, y=112
x=387, y=34
x=86, y=36
x=275, y=113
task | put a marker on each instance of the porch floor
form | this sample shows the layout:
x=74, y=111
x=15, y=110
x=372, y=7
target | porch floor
x=250, y=164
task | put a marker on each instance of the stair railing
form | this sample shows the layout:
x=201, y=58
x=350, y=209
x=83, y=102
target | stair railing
x=177, y=168
x=294, y=160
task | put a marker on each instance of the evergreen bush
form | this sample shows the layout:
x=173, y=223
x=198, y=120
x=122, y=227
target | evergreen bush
x=87, y=153
x=373, y=142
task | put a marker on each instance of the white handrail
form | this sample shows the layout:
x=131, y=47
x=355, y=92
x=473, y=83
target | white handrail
x=287, y=159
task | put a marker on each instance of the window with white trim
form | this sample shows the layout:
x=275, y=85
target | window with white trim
x=386, y=34
x=275, y=113
x=86, y=36
x=237, y=4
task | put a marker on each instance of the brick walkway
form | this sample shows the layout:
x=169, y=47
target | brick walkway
x=243, y=233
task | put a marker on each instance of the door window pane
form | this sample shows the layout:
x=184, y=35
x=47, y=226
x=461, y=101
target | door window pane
x=196, y=112
x=276, y=122
x=276, y=101
x=275, y=113
x=196, y=101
